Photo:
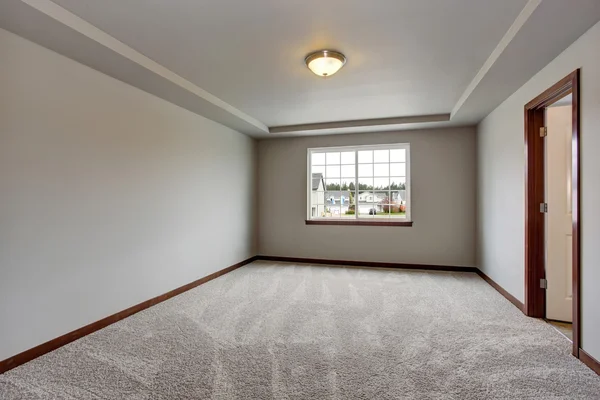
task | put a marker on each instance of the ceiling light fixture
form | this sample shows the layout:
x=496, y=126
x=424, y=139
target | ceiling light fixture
x=325, y=62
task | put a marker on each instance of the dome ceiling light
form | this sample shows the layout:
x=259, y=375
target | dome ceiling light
x=325, y=62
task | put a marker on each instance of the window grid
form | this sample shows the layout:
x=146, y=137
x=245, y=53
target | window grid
x=377, y=185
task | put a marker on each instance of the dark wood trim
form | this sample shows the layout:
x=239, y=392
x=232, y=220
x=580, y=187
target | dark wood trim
x=535, y=258
x=357, y=222
x=371, y=264
x=576, y=208
x=501, y=290
x=589, y=361
x=60, y=341
x=535, y=297
x=556, y=92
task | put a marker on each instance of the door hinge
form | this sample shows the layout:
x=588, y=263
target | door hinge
x=543, y=284
x=543, y=131
x=544, y=207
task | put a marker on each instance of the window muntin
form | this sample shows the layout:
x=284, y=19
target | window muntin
x=360, y=182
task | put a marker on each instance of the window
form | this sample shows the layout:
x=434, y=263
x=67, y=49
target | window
x=359, y=184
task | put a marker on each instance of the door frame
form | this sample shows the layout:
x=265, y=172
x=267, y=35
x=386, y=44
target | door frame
x=535, y=249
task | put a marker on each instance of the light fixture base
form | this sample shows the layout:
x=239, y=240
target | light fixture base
x=325, y=63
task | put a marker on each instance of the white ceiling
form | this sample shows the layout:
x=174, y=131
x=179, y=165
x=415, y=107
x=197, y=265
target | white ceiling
x=241, y=62
x=404, y=57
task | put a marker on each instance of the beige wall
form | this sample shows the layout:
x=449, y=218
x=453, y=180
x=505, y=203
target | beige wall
x=109, y=196
x=501, y=185
x=443, y=198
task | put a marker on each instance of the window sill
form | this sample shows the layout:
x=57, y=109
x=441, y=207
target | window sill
x=357, y=222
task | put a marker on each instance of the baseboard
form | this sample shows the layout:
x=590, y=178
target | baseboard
x=367, y=264
x=502, y=291
x=60, y=341
x=589, y=361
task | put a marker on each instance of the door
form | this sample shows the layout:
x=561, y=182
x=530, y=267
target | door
x=559, y=229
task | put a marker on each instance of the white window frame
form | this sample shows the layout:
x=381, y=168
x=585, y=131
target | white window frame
x=356, y=149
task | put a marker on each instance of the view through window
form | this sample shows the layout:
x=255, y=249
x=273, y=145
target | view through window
x=359, y=182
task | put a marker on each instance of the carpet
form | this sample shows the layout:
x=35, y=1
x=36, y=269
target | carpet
x=284, y=331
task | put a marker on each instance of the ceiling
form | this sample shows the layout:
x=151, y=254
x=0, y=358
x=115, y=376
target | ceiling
x=410, y=63
x=251, y=53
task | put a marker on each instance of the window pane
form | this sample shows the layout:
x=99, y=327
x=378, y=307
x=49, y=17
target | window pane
x=332, y=184
x=320, y=197
x=317, y=197
x=398, y=169
x=348, y=157
x=317, y=189
x=398, y=155
x=333, y=171
x=385, y=211
x=366, y=206
x=365, y=197
x=399, y=215
x=365, y=170
x=365, y=183
x=338, y=209
x=348, y=214
x=382, y=170
x=398, y=183
x=318, y=158
x=397, y=204
x=333, y=204
x=381, y=156
x=348, y=204
x=398, y=196
x=380, y=197
x=365, y=156
x=381, y=183
x=381, y=200
x=365, y=211
x=348, y=171
x=348, y=184
x=318, y=170
x=333, y=158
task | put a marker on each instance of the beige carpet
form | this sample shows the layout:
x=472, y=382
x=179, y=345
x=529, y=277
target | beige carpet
x=283, y=331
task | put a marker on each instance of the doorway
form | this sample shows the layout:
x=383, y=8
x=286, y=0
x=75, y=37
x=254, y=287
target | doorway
x=552, y=205
x=559, y=215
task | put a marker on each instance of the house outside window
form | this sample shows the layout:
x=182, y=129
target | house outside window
x=360, y=183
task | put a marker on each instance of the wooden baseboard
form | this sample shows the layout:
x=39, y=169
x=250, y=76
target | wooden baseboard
x=367, y=264
x=589, y=361
x=581, y=354
x=54, y=344
x=60, y=341
x=502, y=291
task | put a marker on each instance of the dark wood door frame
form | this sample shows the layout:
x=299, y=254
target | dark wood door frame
x=535, y=252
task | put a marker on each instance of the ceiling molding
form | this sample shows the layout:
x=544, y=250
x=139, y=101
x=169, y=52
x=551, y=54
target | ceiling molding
x=414, y=119
x=531, y=49
x=520, y=21
x=83, y=27
x=506, y=69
